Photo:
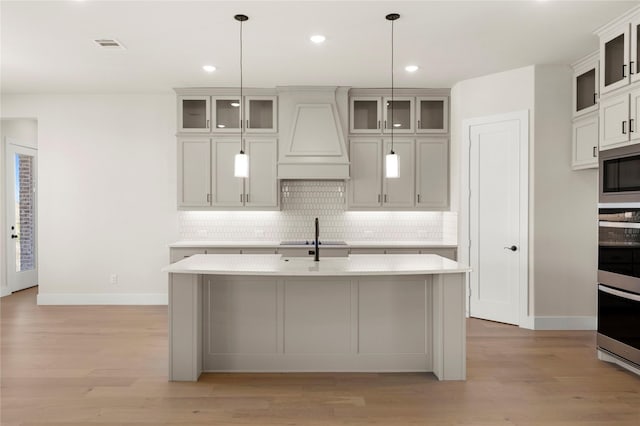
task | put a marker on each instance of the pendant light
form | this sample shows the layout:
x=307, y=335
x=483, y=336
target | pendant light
x=241, y=164
x=392, y=162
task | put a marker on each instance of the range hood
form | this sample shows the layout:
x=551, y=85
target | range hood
x=312, y=134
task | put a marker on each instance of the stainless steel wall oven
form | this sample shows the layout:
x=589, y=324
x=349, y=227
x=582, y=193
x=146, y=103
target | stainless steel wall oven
x=619, y=280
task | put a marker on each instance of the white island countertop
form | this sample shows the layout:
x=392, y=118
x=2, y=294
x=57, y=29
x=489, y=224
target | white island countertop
x=276, y=244
x=355, y=265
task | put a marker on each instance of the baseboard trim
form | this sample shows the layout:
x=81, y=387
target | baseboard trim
x=103, y=299
x=565, y=323
x=4, y=291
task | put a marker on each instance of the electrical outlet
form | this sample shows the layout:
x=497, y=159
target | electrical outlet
x=113, y=279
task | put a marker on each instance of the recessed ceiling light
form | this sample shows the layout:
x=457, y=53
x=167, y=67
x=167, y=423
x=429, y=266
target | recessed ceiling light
x=318, y=38
x=209, y=68
x=411, y=68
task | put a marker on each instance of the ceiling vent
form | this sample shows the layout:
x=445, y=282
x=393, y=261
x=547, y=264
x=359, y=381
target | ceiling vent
x=109, y=43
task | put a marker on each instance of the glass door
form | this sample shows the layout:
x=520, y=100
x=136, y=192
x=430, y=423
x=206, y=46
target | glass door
x=21, y=181
x=614, y=60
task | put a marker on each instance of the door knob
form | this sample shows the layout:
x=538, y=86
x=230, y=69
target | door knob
x=512, y=248
x=14, y=236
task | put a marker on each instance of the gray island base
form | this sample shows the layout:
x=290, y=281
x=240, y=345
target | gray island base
x=363, y=313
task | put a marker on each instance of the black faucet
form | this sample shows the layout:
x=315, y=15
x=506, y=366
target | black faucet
x=317, y=251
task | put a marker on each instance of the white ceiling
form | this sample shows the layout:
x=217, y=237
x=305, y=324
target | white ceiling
x=48, y=46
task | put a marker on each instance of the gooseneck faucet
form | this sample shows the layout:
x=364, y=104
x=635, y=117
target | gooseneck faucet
x=317, y=251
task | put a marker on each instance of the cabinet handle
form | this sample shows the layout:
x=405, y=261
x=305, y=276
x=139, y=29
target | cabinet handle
x=631, y=126
x=418, y=197
x=385, y=124
x=419, y=125
x=247, y=125
x=379, y=197
x=595, y=98
x=246, y=197
x=241, y=198
x=595, y=151
x=385, y=198
x=624, y=70
x=208, y=198
x=378, y=124
x=631, y=67
x=624, y=127
x=207, y=124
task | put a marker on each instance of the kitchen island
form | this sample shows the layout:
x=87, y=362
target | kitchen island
x=362, y=313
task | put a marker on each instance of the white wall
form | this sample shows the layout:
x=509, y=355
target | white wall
x=23, y=131
x=493, y=94
x=107, y=185
x=562, y=232
x=564, y=215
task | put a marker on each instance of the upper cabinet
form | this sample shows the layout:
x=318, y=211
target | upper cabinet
x=219, y=111
x=620, y=52
x=404, y=114
x=432, y=114
x=586, y=85
x=193, y=113
x=619, y=117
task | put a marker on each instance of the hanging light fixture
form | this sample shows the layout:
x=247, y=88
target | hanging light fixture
x=392, y=162
x=241, y=164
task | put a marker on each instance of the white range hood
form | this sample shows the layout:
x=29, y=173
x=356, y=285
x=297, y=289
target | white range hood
x=312, y=133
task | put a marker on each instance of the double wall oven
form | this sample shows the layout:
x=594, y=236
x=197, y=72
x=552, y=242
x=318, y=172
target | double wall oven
x=619, y=254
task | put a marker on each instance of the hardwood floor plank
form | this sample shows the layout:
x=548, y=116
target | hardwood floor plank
x=107, y=365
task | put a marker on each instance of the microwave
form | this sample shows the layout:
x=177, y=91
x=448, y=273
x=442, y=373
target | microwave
x=620, y=175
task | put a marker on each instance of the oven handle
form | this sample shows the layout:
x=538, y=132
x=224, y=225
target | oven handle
x=634, y=225
x=619, y=293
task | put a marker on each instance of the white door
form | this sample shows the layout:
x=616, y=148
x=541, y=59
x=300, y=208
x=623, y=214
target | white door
x=496, y=227
x=365, y=185
x=21, y=167
x=261, y=187
x=400, y=191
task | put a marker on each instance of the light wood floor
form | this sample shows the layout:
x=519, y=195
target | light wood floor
x=108, y=365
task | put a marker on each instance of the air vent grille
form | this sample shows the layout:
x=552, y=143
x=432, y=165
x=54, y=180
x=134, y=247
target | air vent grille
x=108, y=43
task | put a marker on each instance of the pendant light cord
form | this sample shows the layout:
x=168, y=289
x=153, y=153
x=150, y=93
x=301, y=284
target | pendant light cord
x=392, y=107
x=242, y=119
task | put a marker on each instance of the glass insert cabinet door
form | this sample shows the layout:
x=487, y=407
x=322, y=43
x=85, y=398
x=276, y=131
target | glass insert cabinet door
x=226, y=116
x=432, y=113
x=21, y=217
x=615, y=59
x=261, y=114
x=399, y=114
x=194, y=113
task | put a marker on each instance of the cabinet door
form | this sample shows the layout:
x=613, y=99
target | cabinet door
x=398, y=113
x=365, y=184
x=634, y=65
x=261, y=114
x=226, y=114
x=614, y=126
x=194, y=113
x=432, y=113
x=634, y=115
x=400, y=191
x=365, y=114
x=228, y=190
x=194, y=172
x=261, y=187
x=432, y=173
x=585, y=143
x=585, y=89
x=614, y=59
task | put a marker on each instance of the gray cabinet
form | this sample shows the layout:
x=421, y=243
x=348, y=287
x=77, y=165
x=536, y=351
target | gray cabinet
x=432, y=173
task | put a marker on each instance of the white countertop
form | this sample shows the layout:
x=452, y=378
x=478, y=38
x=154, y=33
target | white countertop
x=355, y=265
x=350, y=244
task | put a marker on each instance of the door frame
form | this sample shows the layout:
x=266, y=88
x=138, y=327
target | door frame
x=524, y=315
x=9, y=145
